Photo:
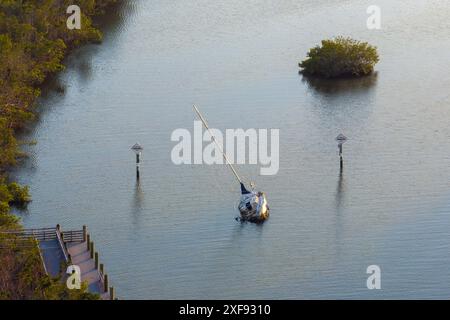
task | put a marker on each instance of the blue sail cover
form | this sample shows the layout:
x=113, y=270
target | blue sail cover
x=244, y=190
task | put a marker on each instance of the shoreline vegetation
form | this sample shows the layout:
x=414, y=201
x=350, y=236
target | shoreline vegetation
x=340, y=57
x=34, y=40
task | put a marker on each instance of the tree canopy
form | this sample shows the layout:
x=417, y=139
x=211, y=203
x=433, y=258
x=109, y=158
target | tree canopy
x=340, y=57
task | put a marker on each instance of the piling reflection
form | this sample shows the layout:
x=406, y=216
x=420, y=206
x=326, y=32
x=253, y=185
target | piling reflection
x=137, y=205
x=340, y=190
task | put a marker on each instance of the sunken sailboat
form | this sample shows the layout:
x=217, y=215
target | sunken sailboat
x=253, y=205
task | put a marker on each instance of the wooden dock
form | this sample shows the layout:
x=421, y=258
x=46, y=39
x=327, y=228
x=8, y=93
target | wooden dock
x=64, y=248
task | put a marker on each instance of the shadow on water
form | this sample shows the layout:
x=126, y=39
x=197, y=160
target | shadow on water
x=338, y=101
x=111, y=25
x=341, y=85
x=116, y=17
x=80, y=59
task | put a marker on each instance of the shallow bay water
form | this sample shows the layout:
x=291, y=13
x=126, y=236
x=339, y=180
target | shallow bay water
x=174, y=236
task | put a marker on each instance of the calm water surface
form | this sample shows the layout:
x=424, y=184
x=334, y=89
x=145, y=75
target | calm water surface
x=175, y=236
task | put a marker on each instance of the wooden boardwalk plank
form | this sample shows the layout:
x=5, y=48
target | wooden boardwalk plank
x=82, y=258
x=52, y=255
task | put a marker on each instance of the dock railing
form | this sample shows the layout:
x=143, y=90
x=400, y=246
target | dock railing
x=42, y=234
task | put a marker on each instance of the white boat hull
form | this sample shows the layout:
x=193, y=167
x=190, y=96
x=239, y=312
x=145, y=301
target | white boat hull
x=253, y=207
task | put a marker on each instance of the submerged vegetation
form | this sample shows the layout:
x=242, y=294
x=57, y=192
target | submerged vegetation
x=34, y=39
x=340, y=57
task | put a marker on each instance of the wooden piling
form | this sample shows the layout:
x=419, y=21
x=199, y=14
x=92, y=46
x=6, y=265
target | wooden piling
x=137, y=167
x=96, y=260
x=112, y=293
x=92, y=249
x=105, y=282
x=88, y=241
x=84, y=233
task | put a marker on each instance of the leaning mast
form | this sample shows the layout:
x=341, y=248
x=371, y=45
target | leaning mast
x=218, y=145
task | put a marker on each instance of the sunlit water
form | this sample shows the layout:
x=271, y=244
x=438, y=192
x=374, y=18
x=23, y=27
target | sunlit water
x=175, y=236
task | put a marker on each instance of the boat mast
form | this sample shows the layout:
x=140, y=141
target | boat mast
x=218, y=145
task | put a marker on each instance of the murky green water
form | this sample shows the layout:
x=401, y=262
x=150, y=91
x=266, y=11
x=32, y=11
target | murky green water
x=175, y=235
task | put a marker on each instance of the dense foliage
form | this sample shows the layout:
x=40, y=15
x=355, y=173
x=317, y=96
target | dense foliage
x=33, y=41
x=340, y=57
